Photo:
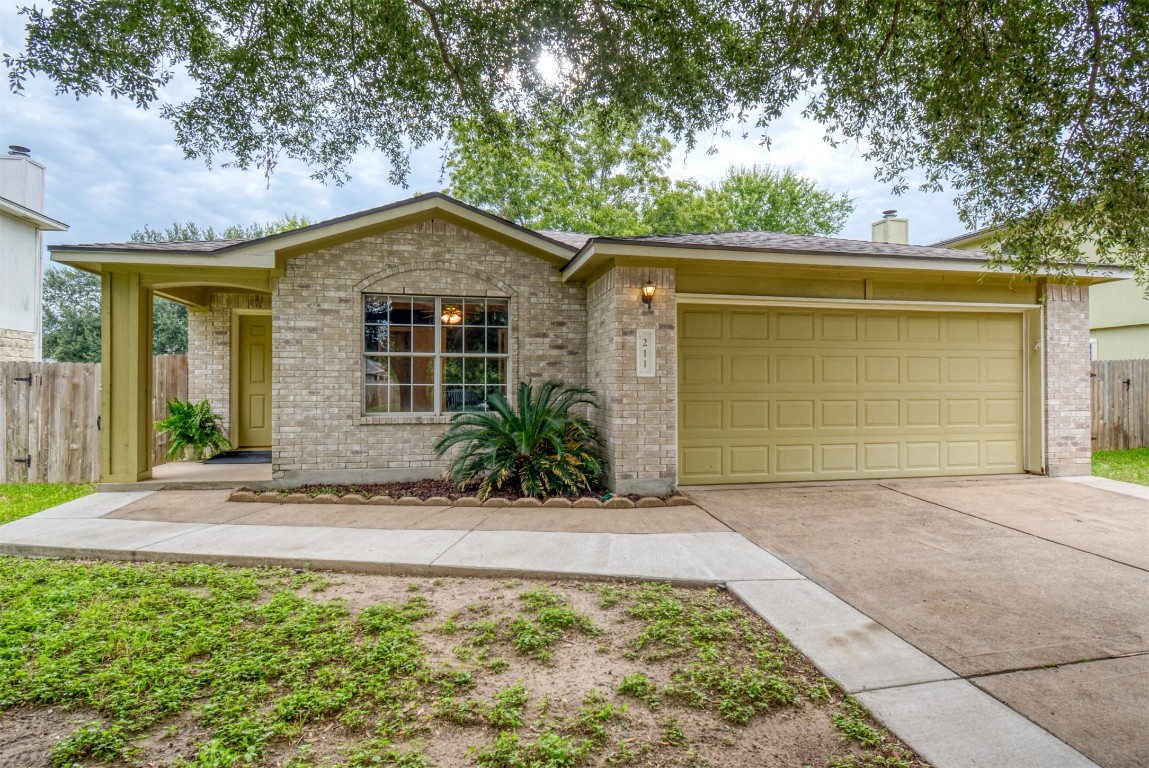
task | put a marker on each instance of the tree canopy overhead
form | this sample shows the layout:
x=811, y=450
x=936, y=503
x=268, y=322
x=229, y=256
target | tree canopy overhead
x=606, y=176
x=1036, y=112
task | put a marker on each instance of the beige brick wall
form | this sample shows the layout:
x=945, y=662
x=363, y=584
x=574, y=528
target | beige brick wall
x=638, y=415
x=319, y=430
x=209, y=349
x=17, y=345
x=1068, y=419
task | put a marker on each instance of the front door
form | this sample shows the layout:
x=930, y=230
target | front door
x=253, y=382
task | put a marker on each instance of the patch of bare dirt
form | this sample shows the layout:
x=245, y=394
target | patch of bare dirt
x=785, y=737
x=28, y=735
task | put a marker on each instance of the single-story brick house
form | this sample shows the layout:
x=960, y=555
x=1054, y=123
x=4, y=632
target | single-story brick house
x=346, y=346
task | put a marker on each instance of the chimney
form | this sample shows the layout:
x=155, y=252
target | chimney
x=22, y=178
x=891, y=228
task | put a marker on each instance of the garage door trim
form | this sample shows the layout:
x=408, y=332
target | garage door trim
x=893, y=306
x=1032, y=407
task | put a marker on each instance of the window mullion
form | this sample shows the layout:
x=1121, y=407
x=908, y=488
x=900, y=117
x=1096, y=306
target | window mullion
x=437, y=391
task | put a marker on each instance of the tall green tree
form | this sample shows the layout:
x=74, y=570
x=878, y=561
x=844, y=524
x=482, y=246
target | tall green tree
x=1033, y=111
x=605, y=177
x=593, y=175
x=71, y=316
x=71, y=307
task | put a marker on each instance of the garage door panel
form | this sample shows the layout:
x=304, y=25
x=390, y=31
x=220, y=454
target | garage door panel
x=882, y=328
x=843, y=327
x=839, y=369
x=881, y=457
x=793, y=414
x=701, y=324
x=750, y=369
x=749, y=325
x=749, y=460
x=795, y=326
x=749, y=414
x=839, y=414
x=794, y=395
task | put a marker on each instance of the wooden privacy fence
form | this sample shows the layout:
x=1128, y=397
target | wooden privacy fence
x=50, y=412
x=1120, y=404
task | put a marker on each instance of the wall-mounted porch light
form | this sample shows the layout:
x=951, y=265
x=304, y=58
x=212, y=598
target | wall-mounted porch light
x=648, y=295
x=452, y=315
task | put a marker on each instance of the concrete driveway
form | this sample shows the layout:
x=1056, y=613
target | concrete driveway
x=1035, y=590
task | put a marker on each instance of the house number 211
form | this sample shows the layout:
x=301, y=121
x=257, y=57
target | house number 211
x=645, y=351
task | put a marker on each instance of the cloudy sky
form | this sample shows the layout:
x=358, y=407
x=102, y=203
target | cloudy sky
x=113, y=168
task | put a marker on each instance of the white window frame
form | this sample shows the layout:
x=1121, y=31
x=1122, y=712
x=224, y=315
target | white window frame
x=438, y=355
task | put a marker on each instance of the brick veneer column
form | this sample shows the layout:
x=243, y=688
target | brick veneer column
x=1068, y=405
x=637, y=416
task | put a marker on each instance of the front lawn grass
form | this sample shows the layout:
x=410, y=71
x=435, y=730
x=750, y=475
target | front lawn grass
x=22, y=499
x=1130, y=466
x=206, y=666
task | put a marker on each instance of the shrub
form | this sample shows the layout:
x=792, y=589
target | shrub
x=193, y=428
x=539, y=448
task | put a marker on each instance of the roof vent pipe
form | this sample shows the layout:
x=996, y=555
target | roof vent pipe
x=19, y=151
x=891, y=213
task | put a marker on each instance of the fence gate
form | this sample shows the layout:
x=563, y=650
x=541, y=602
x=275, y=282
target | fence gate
x=49, y=416
x=1120, y=404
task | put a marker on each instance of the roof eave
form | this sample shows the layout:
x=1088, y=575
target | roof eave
x=599, y=251
x=35, y=218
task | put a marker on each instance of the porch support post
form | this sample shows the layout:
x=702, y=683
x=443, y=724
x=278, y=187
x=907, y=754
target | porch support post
x=126, y=379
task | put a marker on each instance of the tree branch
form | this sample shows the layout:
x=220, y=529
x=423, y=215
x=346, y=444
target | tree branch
x=1094, y=67
x=441, y=41
x=890, y=34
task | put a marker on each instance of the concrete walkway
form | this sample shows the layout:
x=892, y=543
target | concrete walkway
x=948, y=720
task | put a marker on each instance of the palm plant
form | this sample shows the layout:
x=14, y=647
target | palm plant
x=194, y=429
x=542, y=447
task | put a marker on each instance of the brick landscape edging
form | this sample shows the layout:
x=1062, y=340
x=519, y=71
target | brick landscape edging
x=617, y=502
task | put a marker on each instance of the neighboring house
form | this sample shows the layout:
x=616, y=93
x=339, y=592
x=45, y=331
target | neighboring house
x=1118, y=311
x=345, y=346
x=22, y=222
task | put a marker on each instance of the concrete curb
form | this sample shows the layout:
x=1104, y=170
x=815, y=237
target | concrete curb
x=1113, y=486
x=616, y=502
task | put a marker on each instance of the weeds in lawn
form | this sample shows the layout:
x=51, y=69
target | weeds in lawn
x=851, y=721
x=640, y=687
x=261, y=665
x=547, y=618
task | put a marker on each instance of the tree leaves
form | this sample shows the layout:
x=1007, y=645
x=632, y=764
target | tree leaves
x=603, y=175
x=1035, y=112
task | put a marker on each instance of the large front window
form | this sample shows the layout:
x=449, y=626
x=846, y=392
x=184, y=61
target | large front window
x=426, y=354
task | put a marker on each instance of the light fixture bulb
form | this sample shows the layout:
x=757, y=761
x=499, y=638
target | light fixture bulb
x=452, y=315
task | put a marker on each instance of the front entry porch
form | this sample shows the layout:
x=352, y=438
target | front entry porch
x=229, y=358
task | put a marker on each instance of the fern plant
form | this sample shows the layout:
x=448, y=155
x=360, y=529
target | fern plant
x=194, y=429
x=541, y=447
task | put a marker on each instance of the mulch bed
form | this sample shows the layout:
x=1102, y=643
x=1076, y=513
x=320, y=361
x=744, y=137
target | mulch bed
x=426, y=489
x=440, y=492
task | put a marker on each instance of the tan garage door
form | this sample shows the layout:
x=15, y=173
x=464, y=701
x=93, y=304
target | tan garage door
x=794, y=394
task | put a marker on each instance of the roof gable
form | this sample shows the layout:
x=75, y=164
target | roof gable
x=270, y=251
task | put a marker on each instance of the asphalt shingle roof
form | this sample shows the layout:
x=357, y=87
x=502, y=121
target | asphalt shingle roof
x=174, y=246
x=775, y=241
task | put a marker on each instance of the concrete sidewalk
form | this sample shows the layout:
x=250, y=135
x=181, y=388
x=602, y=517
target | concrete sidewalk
x=949, y=721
